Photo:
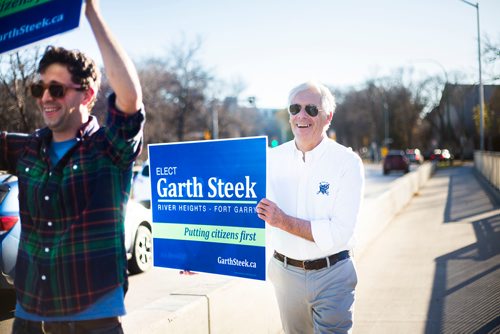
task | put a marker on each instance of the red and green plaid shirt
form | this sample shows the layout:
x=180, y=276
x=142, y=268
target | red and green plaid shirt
x=72, y=249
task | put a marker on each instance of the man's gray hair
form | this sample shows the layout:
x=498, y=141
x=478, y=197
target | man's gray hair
x=327, y=99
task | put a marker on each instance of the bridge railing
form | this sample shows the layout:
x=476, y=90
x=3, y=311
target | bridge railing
x=488, y=164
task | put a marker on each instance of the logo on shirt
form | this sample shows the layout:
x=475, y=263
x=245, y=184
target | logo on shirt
x=323, y=188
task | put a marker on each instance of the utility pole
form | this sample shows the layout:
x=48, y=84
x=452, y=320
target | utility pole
x=386, y=124
x=215, y=120
x=481, y=88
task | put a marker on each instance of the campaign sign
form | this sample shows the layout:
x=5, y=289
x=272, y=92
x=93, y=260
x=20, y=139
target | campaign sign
x=203, y=199
x=27, y=21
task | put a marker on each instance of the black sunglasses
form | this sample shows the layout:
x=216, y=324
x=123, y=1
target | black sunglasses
x=311, y=109
x=56, y=90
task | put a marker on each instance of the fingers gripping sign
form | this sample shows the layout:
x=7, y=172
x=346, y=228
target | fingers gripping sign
x=268, y=210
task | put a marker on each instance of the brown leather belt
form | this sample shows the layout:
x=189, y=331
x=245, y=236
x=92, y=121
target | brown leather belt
x=313, y=264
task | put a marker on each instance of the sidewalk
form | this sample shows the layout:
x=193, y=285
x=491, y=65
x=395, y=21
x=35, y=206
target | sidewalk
x=435, y=267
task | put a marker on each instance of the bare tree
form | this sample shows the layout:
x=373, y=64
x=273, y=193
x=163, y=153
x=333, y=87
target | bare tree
x=491, y=53
x=352, y=120
x=188, y=85
x=18, y=70
x=181, y=98
x=360, y=118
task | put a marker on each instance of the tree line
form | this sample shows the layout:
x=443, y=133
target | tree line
x=184, y=101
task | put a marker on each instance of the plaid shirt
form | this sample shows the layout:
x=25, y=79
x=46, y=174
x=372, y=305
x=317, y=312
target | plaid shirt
x=72, y=248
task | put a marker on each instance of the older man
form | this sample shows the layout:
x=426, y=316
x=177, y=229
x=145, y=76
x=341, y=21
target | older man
x=314, y=194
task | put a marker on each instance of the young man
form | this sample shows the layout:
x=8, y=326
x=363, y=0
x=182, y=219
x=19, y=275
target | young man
x=315, y=187
x=74, y=182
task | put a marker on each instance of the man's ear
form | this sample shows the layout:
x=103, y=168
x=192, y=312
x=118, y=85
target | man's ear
x=89, y=96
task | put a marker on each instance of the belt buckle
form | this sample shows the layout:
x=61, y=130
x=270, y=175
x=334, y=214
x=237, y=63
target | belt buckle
x=305, y=263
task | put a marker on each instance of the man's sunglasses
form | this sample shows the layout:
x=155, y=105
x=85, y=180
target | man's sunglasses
x=311, y=109
x=56, y=90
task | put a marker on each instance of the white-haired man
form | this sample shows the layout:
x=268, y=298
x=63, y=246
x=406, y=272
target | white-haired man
x=315, y=188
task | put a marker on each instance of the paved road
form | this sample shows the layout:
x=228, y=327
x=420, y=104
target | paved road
x=435, y=268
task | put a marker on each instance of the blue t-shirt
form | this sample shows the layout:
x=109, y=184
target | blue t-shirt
x=58, y=149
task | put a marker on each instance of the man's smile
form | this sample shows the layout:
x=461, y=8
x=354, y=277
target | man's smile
x=303, y=126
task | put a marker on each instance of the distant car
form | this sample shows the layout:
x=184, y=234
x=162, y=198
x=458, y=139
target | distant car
x=138, y=236
x=141, y=189
x=396, y=160
x=415, y=156
x=441, y=155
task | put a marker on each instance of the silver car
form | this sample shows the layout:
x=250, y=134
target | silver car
x=138, y=237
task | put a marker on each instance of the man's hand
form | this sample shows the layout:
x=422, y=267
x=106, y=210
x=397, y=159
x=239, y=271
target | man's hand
x=271, y=213
x=274, y=216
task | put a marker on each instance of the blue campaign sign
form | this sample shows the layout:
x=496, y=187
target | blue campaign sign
x=203, y=200
x=28, y=21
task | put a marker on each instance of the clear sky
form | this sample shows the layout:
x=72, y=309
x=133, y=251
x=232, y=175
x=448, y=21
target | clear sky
x=272, y=45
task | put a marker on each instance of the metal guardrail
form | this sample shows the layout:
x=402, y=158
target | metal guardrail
x=488, y=164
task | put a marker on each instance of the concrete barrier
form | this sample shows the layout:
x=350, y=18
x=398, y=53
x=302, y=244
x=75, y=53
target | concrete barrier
x=246, y=306
x=376, y=213
x=229, y=307
x=488, y=164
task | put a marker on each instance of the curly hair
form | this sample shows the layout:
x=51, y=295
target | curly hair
x=83, y=70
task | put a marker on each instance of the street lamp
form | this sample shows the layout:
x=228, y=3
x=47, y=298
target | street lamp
x=481, y=88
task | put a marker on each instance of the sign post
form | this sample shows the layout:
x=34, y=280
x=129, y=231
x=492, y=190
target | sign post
x=204, y=197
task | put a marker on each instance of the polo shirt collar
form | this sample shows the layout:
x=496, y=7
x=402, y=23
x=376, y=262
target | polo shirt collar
x=314, y=154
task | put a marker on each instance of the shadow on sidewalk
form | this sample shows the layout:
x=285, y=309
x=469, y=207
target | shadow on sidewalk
x=466, y=292
x=467, y=195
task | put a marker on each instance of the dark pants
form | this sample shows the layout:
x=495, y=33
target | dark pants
x=97, y=326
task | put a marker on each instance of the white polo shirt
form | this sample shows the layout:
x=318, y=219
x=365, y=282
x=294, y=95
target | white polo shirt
x=326, y=189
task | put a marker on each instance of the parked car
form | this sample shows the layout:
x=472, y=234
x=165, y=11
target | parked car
x=10, y=228
x=396, y=160
x=141, y=189
x=442, y=155
x=138, y=237
x=415, y=156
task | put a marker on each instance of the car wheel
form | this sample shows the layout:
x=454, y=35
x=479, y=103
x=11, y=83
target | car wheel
x=142, y=252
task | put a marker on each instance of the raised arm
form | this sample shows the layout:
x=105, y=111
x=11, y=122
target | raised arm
x=119, y=68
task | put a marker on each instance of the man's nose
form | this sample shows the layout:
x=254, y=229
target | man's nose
x=46, y=95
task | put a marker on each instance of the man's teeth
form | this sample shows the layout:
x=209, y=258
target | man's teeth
x=303, y=125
